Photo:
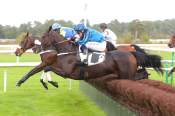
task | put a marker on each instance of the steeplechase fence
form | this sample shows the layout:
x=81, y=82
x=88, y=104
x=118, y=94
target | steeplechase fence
x=135, y=98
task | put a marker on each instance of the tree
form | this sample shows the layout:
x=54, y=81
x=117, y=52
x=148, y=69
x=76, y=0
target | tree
x=137, y=29
x=1, y=32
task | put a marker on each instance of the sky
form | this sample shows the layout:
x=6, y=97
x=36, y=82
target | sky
x=16, y=12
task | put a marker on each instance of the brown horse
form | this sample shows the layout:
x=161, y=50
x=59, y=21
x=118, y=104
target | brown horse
x=29, y=42
x=119, y=65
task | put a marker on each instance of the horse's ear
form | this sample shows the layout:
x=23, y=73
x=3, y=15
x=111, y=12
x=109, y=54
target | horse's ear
x=50, y=27
x=27, y=34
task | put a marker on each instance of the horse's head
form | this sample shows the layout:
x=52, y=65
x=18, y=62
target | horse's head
x=26, y=43
x=171, y=43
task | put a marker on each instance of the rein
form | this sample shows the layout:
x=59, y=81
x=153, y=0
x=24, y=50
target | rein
x=64, y=41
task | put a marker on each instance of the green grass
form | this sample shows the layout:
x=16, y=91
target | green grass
x=155, y=76
x=31, y=99
x=164, y=55
x=26, y=57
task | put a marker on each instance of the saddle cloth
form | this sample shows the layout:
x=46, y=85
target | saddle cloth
x=95, y=58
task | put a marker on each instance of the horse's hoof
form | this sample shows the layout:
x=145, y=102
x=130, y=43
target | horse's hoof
x=44, y=84
x=18, y=85
x=55, y=84
x=46, y=88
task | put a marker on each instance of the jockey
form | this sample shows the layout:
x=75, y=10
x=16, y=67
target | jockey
x=66, y=32
x=89, y=39
x=109, y=35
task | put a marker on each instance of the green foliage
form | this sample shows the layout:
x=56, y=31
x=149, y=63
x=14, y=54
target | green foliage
x=144, y=38
x=126, y=38
x=140, y=30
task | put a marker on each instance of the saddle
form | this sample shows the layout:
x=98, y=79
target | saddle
x=90, y=57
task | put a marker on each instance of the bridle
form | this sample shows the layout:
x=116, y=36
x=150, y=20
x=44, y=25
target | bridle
x=22, y=48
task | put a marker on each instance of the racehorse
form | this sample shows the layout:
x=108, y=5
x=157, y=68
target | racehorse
x=29, y=42
x=33, y=42
x=118, y=65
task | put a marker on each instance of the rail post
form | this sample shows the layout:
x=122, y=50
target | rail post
x=5, y=81
x=172, y=64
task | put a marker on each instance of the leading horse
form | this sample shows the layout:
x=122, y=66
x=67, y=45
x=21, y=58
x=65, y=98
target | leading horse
x=33, y=42
x=118, y=65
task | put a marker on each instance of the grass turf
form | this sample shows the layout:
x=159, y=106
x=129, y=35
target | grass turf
x=26, y=57
x=31, y=99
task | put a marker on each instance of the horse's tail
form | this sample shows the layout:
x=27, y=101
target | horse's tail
x=138, y=49
x=147, y=61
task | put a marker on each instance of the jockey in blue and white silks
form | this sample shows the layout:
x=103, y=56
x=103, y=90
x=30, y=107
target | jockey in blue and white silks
x=67, y=32
x=90, y=38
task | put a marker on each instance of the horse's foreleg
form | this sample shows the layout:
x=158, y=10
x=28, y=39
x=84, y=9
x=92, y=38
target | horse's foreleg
x=30, y=73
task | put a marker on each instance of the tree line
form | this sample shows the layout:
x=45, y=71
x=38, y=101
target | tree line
x=134, y=31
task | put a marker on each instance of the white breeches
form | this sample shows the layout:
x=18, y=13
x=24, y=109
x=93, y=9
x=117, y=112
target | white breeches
x=96, y=46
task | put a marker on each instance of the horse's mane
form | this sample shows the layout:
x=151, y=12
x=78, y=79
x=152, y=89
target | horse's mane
x=50, y=28
x=52, y=39
x=137, y=48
